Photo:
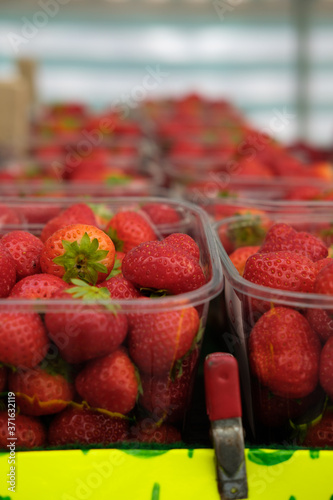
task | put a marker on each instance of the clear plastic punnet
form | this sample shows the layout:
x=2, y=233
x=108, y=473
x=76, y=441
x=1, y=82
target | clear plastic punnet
x=92, y=350
x=278, y=301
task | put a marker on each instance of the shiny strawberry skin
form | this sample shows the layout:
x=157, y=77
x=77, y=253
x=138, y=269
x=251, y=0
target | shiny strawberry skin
x=157, y=341
x=23, y=339
x=129, y=229
x=161, y=213
x=79, y=213
x=239, y=257
x=282, y=270
x=321, y=322
x=185, y=243
x=29, y=431
x=109, y=382
x=84, y=426
x=284, y=353
x=282, y=237
x=82, y=333
x=25, y=248
x=39, y=286
x=120, y=288
x=51, y=390
x=147, y=431
x=160, y=266
x=166, y=397
x=7, y=272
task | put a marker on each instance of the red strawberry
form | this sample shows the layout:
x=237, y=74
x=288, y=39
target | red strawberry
x=320, y=434
x=39, y=213
x=120, y=288
x=39, y=286
x=83, y=332
x=29, y=431
x=109, y=382
x=157, y=341
x=282, y=270
x=321, y=322
x=8, y=216
x=84, y=426
x=320, y=264
x=80, y=213
x=39, y=391
x=324, y=280
x=274, y=411
x=148, y=431
x=161, y=213
x=158, y=265
x=326, y=368
x=239, y=257
x=3, y=378
x=78, y=251
x=167, y=397
x=128, y=229
x=23, y=339
x=284, y=353
x=7, y=272
x=25, y=248
x=282, y=237
x=185, y=243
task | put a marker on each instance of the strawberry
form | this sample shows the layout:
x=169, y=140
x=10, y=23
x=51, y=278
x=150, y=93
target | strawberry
x=82, y=331
x=128, y=229
x=161, y=213
x=120, y=288
x=324, y=280
x=282, y=237
x=284, y=353
x=239, y=257
x=7, y=272
x=147, y=431
x=79, y=213
x=282, y=270
x=8, y=216
x=3, y=378
x=25, y=248
x=23, y=339
x=40, y=391
x=185, y=243
x=326, y=368
x=39, y=213
x=240, y=234
x=157, y=265
x=320, y=433
x=166, y=397
x=321, y=322
x=85, y=426
x=156, y=341
x=109, y=382
x=38, y=286
x=29, y=431
x=79, y=251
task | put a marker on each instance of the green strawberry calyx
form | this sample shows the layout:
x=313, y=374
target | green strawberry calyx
x=101, y=210
x=89, y=293
x=82, y=260
x=118, y=180
x=115, y=270
x=118, y=243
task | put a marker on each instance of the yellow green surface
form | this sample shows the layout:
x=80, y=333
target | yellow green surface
x=160, y=475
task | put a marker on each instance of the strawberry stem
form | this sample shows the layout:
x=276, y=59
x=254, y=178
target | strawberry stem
x=82, y=260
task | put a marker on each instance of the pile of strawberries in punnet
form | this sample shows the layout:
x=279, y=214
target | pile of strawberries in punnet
x=83, y=371
x=290, y=347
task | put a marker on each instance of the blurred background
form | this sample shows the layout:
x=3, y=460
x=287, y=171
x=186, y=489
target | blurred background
x=268, y=57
